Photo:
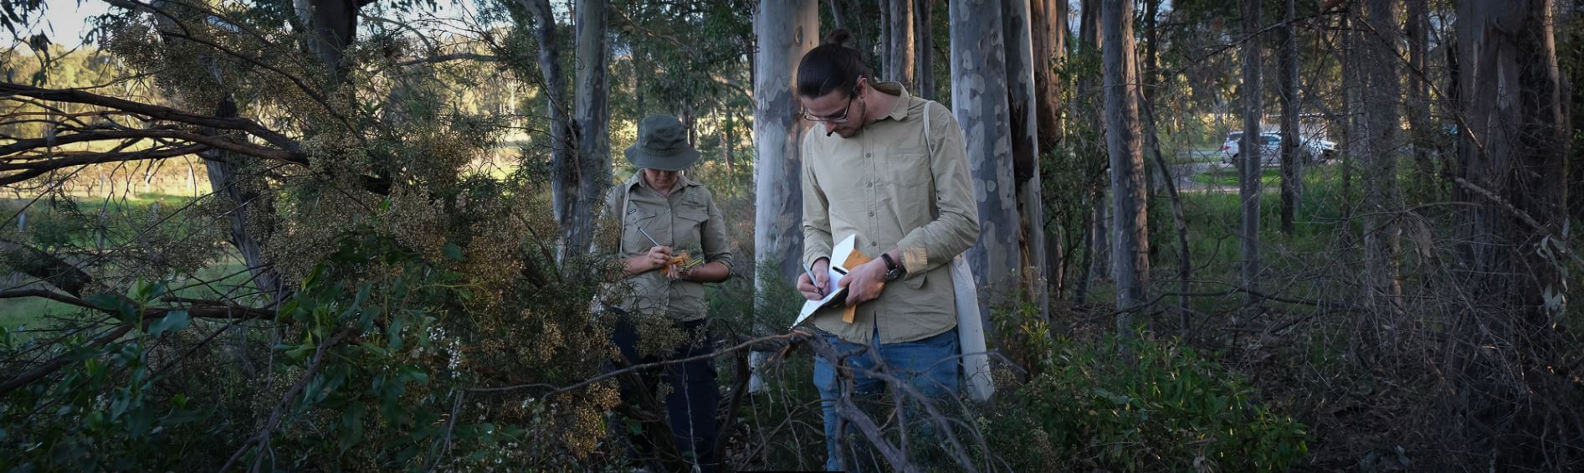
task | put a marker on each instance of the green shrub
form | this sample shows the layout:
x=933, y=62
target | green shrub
x=1140, y=404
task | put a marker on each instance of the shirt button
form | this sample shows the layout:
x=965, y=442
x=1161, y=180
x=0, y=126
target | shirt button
x=869, y=184
x=867, y=155
x=871, y=213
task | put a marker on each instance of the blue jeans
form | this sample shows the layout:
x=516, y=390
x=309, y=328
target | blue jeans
x=692, y=400
x=929, y=365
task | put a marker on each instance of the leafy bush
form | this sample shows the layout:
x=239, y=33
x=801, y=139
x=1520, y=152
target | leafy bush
x=1139, y=404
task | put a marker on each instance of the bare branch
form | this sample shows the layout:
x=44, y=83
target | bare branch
x=154, y=111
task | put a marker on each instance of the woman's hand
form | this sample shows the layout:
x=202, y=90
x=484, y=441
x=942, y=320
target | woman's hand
x=656, y=258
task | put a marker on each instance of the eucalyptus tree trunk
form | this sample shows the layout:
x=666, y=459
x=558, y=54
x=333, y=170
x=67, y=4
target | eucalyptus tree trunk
x=1248, y=161
x=1513, y=153
x=591, y=120
x=784, y=31
x=1048, y=35
x=899, y=63
x=563, y=172
x=979, y=95
x=1382, y=284
x=923, y=49
x=1087, y=102
x=1130, y=245
x=1025, y=151
x=1420, y=128
x=1290, y=159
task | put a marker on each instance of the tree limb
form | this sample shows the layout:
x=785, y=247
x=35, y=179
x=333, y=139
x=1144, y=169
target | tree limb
x=153, y=111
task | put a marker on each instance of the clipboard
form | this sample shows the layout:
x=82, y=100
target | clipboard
x=844, y=257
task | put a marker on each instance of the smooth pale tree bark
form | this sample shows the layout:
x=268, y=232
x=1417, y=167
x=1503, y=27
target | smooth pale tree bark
x=1382, y=284
x=591, y=120
x=563, y=172
x=923, y=49
x=1048, y=40
x=1130, y=244
x=1025, y=151
x=1290, y=158
x=1249, y=151
x=784, y=31
x=899, y=62
x=979, y=101
x=836, y=13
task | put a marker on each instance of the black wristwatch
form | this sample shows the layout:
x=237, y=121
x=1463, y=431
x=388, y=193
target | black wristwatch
x=894, y=271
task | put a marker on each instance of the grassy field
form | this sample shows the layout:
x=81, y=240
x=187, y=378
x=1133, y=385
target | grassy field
x=70, y=224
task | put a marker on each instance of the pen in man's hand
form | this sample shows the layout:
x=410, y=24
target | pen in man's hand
x=813, y=281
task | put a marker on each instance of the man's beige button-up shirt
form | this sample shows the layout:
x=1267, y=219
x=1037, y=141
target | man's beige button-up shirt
x=893, y=190
x=686, y=220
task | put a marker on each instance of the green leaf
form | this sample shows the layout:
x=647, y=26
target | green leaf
x=452, y=251
x=173, y=321
x=105, y=301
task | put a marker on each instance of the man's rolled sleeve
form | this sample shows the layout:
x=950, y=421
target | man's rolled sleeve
x=816, y=211
x=716, y=246
x=956, y=224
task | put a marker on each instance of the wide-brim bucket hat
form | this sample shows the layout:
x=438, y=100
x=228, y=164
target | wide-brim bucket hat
x=662, y=144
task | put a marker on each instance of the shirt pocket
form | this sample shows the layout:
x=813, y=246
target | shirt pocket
x=911, y=184
x=633, y=240
x=688, y=229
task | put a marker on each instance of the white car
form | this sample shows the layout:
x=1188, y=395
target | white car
x=1270, y=148
x=1313, y=148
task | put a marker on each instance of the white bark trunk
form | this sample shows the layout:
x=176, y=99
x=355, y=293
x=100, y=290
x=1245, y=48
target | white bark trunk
x=591, y=119
x=784, y=31
x=979, y=92
x=1130, y=244
x=1022, y=102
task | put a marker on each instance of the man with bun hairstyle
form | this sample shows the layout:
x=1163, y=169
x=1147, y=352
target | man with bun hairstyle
x=872, y=169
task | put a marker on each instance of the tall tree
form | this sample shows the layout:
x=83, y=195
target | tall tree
x=1513, y=153
x=899, y=64
x=1021, y=101
x=1087, y=102
x=591, y=120
x=1290, y=158
x=979, y=100
x=1249, y=150
x=563, y=171
x=923, y=49
x=1382, y=285
x=1420, y=126
x=1130, y=245
x=784, y=31
x=1048, y=35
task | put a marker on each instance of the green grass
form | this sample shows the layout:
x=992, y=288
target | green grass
x=52, y=224
x=1227, y=176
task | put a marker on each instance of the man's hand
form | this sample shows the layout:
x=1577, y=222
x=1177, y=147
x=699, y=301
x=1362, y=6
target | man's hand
x=656, y=258
x=817, y=288
x=864, y=282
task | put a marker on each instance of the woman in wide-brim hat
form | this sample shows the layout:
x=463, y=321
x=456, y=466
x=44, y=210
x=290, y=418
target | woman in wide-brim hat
x=672, y=241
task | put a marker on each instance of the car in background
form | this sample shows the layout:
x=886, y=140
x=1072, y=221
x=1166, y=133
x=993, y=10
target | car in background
x=1270, y=148
x=1311, y=148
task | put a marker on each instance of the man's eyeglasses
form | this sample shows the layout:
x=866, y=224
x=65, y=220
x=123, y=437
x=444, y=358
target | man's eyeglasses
x=831, y=119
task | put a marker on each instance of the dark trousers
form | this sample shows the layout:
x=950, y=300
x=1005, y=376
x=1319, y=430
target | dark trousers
x=690, y=400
